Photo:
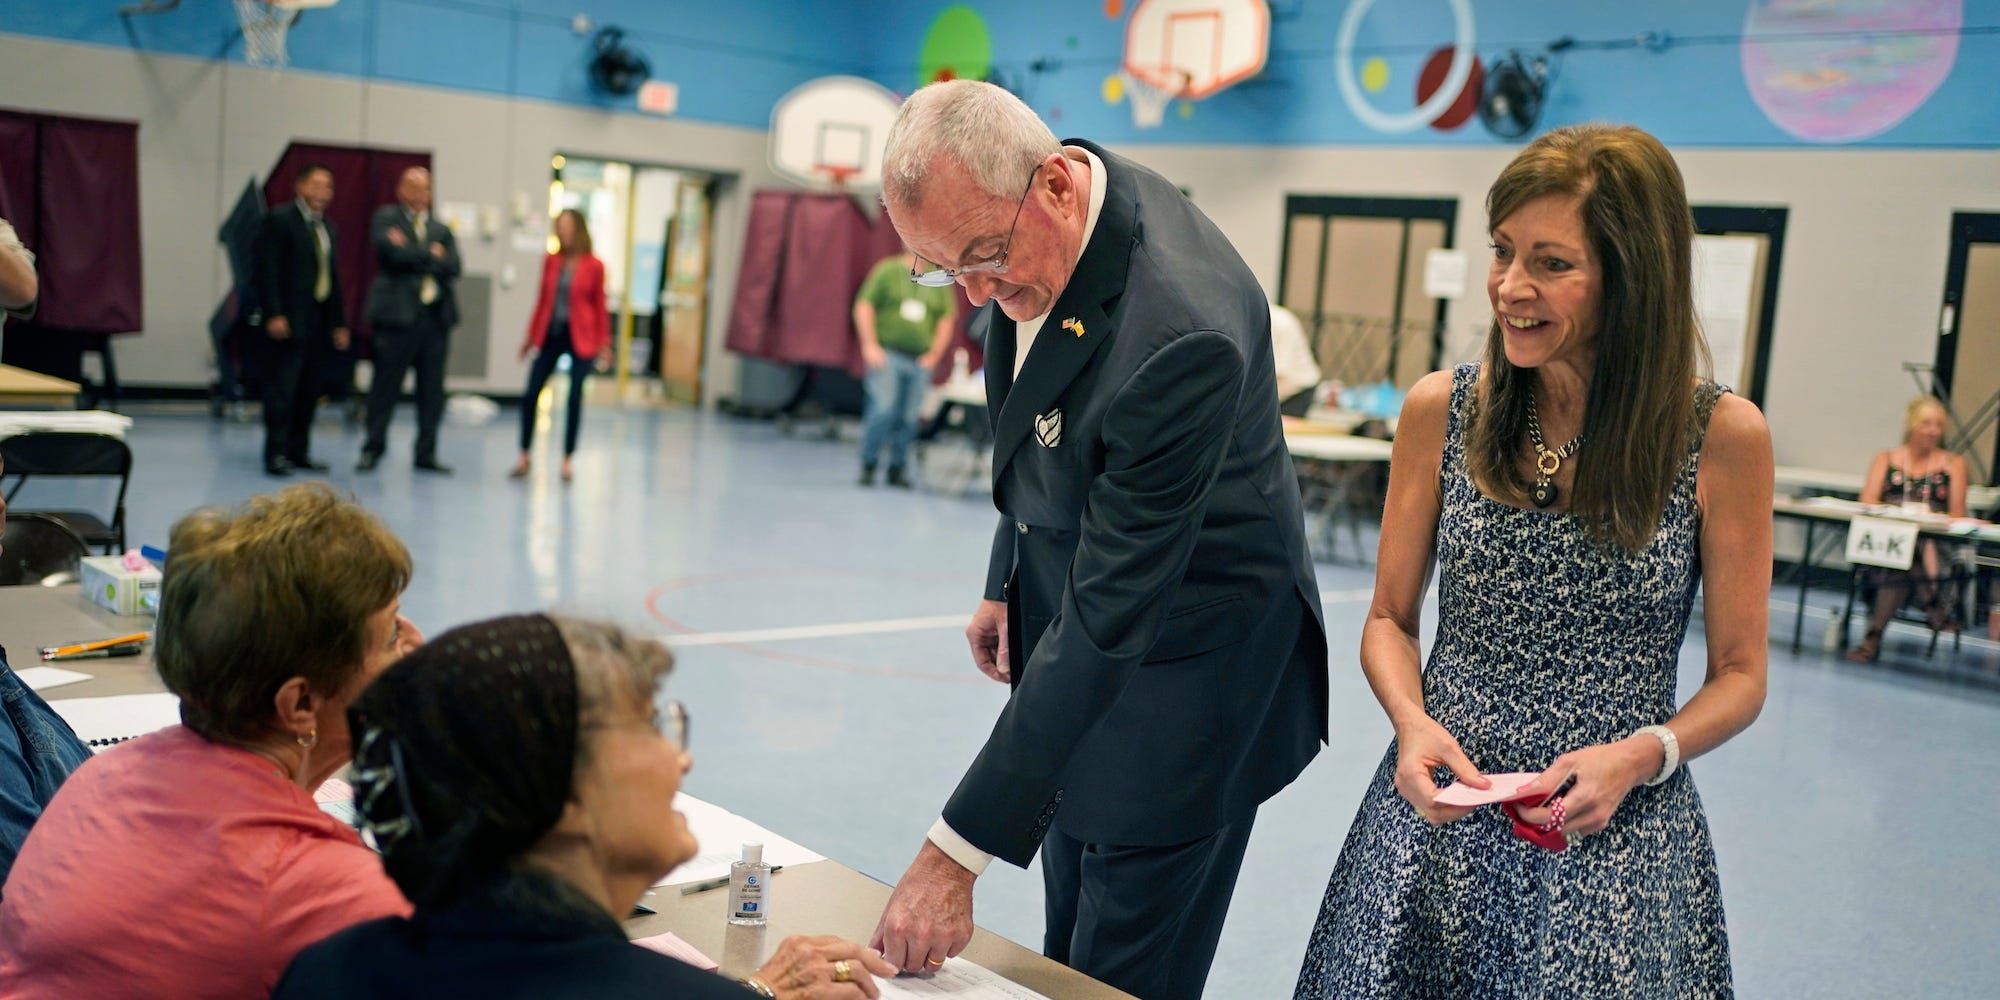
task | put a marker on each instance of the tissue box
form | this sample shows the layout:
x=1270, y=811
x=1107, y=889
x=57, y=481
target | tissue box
x=121, y=590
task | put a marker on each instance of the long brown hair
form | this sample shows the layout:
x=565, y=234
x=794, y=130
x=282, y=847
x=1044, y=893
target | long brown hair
x=581, y=245
x=1639, y=416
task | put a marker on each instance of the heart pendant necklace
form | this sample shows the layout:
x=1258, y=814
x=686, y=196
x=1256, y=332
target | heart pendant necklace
x=1546, y=462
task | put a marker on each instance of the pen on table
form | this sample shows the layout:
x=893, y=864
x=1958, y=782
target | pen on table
x=77, y=649
x=716, y=883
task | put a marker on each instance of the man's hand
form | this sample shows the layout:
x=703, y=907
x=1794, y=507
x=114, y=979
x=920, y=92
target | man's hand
x=437, y=250
x=928, y=361
x=396, y=237
x=341, y=338
x=988, y=636
x=873, y=356
x=527, y=348
x=278, y=328
x=929, y=916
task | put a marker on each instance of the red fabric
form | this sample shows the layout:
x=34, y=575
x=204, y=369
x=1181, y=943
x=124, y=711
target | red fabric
x=70, y=186
x=805, y=254
x=171, y=866
x=589, y=322
x=364, y=179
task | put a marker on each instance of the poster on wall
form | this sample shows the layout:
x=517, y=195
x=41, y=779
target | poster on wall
x=1725, y=274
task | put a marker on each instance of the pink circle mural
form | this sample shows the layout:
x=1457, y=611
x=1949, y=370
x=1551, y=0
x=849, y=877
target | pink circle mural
x=1854, y=69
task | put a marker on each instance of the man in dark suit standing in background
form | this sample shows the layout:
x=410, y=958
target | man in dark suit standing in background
x=298, y=291
x=1149, y=597
x=412, y=308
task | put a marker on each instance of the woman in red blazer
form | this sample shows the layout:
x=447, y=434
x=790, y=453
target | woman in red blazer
x=570, y=318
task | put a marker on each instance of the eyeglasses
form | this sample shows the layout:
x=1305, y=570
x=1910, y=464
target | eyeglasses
x=670, y=720
x=998, y=265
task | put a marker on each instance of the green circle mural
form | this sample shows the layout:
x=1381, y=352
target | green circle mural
x=956, y=48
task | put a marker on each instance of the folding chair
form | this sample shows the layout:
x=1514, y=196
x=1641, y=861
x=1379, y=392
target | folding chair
x=73, y=455
x=38, y=549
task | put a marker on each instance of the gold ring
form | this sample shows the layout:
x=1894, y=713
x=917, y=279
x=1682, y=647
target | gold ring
x=934, y=962
x=841, y=971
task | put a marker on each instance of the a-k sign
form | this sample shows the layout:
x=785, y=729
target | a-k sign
x=1874, y=541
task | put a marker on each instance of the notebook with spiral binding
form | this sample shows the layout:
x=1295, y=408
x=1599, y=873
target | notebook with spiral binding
x=108, y=721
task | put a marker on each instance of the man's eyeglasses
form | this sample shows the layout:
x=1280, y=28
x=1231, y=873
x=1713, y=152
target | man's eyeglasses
x=998, y=265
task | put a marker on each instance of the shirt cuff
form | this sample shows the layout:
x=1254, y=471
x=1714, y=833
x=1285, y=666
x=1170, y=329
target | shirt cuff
x=958, y=848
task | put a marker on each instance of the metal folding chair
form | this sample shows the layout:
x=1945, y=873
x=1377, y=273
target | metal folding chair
x=65, y=454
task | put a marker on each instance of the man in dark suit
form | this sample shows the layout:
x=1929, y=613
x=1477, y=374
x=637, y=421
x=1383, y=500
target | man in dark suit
x=412, y=308
x=1150, y=597
x=298, y=291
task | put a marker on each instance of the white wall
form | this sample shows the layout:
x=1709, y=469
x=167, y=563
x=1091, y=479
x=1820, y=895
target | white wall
x=207, y=127
x=1859, y=289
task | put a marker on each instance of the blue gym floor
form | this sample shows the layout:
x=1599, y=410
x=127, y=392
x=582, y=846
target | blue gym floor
x=1855, y=830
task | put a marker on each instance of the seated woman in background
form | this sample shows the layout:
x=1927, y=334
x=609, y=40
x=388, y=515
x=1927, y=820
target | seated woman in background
x=1919, y=473
x=519, y=778
x=193, y=862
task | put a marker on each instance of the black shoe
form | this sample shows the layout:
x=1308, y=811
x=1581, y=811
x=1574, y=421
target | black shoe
x=434, y=467
x=277, y=467
x=308, y=464
x=897, y=478
x=367, y=463
x=867, y=475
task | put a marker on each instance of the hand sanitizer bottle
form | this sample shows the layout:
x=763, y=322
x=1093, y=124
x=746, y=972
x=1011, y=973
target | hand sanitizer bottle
x=749, y=886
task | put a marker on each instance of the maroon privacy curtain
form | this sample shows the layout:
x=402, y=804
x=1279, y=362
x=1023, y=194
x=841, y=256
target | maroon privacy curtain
x=363, y=180
x=804, y=256
x=70, y=186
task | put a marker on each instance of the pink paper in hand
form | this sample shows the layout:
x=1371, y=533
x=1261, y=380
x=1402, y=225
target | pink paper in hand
x=1506, y=788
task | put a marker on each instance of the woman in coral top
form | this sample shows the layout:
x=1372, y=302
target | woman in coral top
x=570, y=318
x=194, y=862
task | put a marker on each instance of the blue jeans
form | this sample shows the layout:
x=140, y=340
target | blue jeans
x=895, y=390
x=37, y=751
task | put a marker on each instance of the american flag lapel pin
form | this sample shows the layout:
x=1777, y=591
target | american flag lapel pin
x=1073, y=326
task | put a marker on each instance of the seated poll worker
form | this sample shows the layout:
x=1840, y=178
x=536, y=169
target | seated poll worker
x=193, y=862
x=1149, y=595
x=518, y=775
x=1918, y=474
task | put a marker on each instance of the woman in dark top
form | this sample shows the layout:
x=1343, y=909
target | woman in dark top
x=519, y=777
x=1918, y=475
x=570, y=318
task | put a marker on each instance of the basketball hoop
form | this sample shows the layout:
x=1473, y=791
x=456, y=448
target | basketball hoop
x=837, y=174
x=264, y=24
x=1149, y=101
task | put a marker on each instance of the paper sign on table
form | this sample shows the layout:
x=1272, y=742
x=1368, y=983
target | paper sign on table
x=671, y=945
x=44, y=678
x=958, y=978
x=721, y=834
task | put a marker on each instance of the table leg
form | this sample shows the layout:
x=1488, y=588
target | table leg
x=1805, y=577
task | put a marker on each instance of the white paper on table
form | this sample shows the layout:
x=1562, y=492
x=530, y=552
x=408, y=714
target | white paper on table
x=671, y=945
x=721, y=834
x=958, y=978
x=44, y=678
x=101, y=722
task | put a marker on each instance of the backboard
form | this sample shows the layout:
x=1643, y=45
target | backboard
x=833, y=127
x=1194, y=48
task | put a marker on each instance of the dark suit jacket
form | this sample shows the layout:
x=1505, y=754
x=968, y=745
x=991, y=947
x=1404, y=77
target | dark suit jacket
x=393, y=300
x=288, y=267
x=1169, y=656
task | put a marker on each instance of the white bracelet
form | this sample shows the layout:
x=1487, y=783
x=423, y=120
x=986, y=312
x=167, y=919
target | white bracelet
x=1669, y=743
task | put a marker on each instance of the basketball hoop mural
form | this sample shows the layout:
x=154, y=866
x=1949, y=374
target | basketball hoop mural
x=1187, y=49
x=831, y=132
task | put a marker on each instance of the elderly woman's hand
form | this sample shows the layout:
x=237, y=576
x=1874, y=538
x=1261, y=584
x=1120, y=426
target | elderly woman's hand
x=823, y=968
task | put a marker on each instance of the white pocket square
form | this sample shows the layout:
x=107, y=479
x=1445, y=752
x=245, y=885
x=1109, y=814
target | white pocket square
x=1048, y=428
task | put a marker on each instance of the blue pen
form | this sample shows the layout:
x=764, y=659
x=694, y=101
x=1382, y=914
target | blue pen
x=157, y=557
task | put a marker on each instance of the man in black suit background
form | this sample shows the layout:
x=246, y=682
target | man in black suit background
x=298, y=291
x=1150, y=597
x=412, y=307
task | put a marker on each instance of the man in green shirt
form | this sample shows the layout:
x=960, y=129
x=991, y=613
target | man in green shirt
x=904, y=329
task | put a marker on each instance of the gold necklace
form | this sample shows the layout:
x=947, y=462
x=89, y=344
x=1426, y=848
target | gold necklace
x=1547, y=462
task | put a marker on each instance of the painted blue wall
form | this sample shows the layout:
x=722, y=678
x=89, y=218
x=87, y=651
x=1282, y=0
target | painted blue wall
x=733, y=59
x=1693, y=91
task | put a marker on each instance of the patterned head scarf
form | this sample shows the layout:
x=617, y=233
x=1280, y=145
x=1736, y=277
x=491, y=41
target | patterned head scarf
x=464, y=752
